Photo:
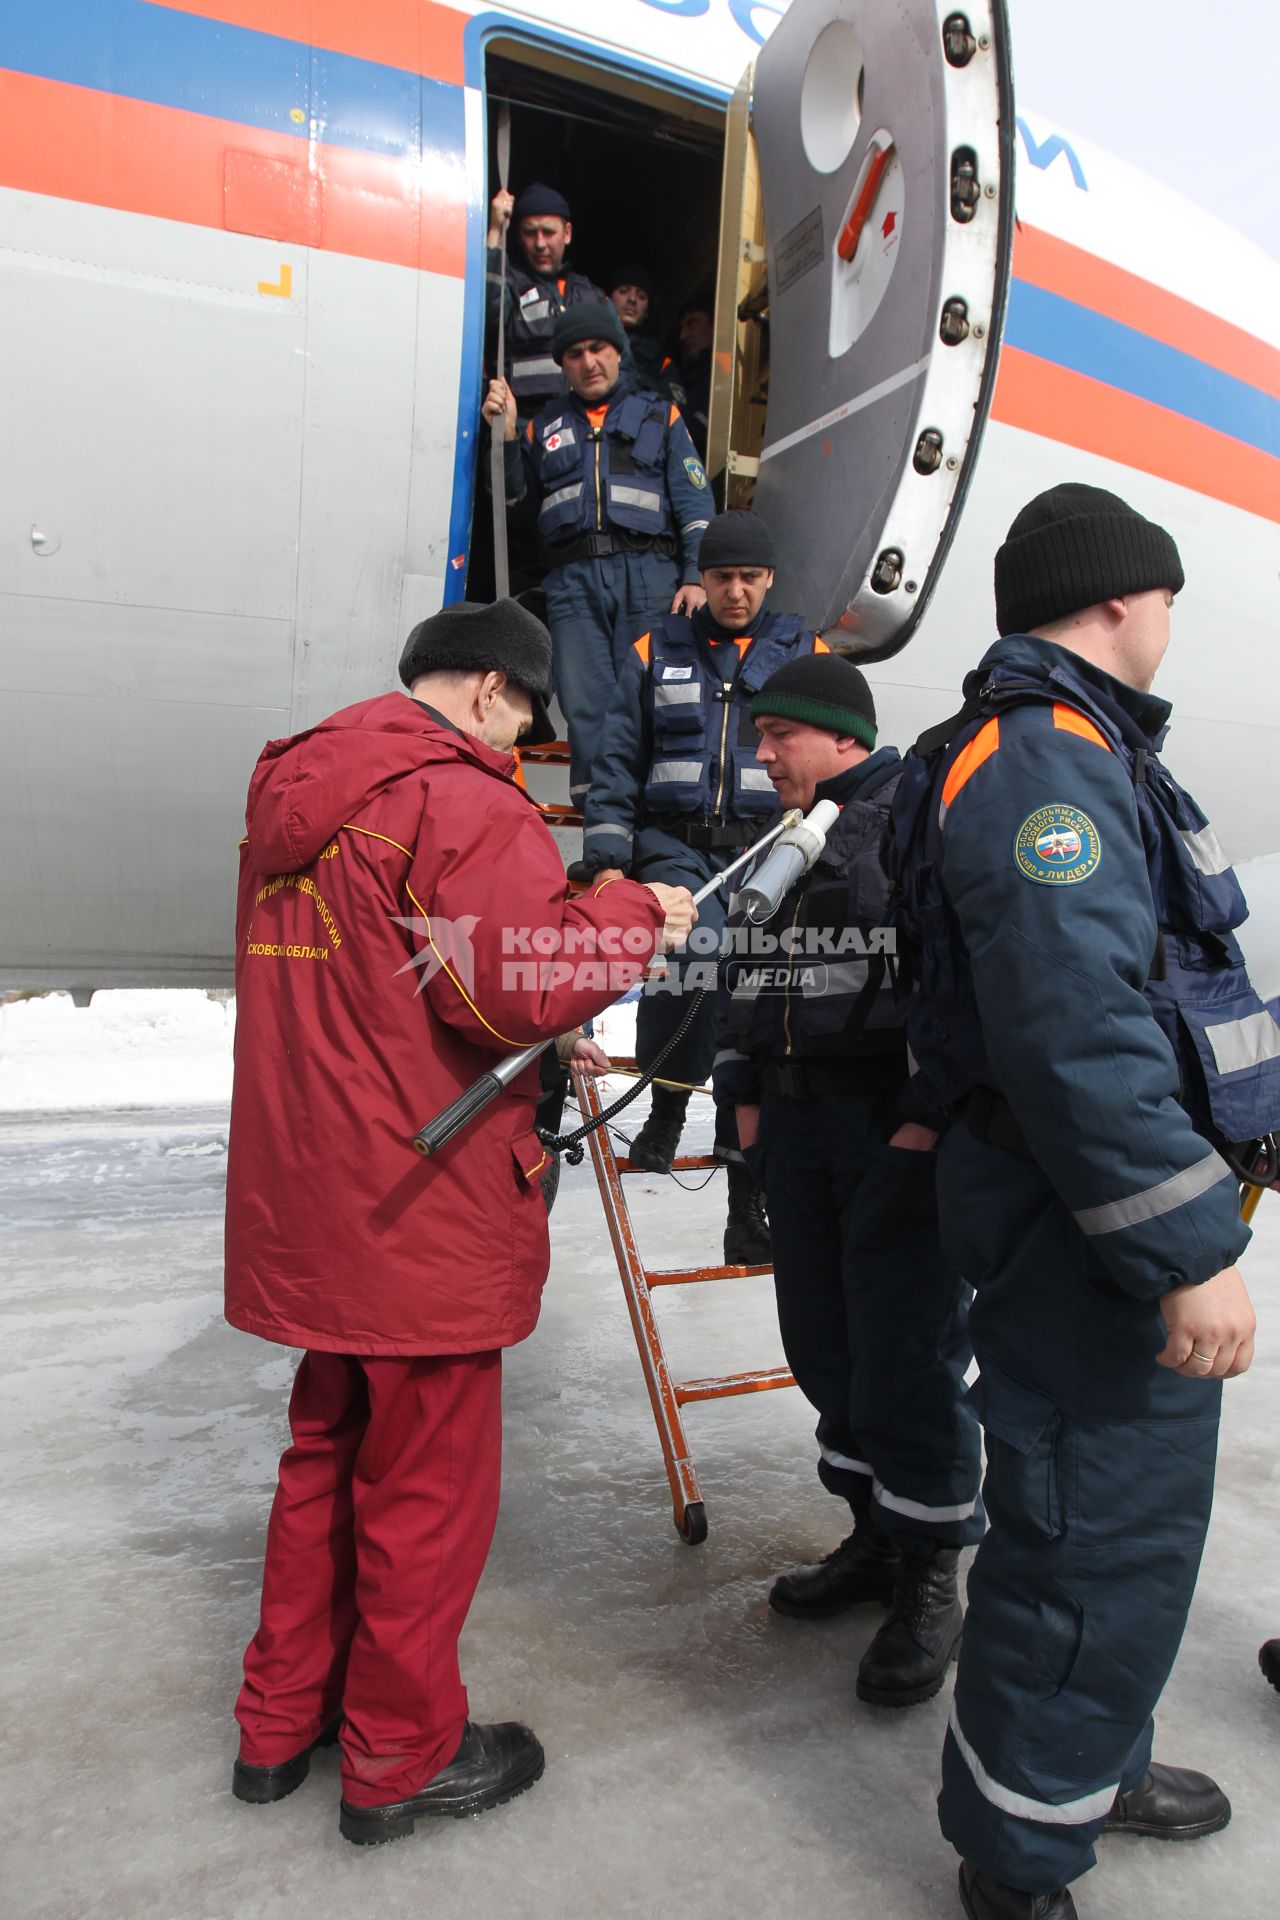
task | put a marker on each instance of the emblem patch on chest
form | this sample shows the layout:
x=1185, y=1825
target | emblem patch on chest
x=1057, y=846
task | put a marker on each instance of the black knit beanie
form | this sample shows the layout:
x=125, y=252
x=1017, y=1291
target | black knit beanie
x=589, y=320
x=473, y=638
x=821, y=690
x=537, y=199
x=632, y=274
x=1073, y=547
x=736, y=539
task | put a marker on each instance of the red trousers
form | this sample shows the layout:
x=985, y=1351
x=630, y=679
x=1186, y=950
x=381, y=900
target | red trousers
x=379, y=1531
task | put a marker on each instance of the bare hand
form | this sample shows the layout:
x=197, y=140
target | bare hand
x=499, y=404
x=688, y=600
x=919, y=1139
x=1211, y=1328
x=679, y=913
x=501, y=208
x=586, y=1054
x=748, y=1125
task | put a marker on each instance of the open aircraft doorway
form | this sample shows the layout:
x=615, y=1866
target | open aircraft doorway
x=640, y=165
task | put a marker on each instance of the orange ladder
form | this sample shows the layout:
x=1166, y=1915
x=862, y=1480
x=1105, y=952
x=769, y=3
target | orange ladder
x=666, y=1396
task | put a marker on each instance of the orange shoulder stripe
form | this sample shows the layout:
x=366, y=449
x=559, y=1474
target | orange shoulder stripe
x=983, y=744
x=674, y=415
x=820, y=645
x=642, y=647
x=1067, y=720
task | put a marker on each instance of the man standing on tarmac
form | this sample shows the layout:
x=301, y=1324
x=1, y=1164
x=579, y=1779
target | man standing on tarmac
x=391, y=876
x=541, y=285
x=871, y=1312
x=1087, y=1012
x=677, y=794
x=621, y=503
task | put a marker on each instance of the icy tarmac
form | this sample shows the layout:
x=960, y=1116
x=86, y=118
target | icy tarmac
x=704, y=1755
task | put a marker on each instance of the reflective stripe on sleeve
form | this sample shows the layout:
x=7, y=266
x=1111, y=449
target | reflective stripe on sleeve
x=1206, y=850
x=1238, y=1044
x=727, y=1055
x=1153, y=1201
x=695, y=526
x=834, y=1459
x=1071, y=1813
x=613, y=829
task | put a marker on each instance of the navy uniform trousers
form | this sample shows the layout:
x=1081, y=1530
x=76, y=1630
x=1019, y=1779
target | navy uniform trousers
x=873, y=1318
x=597, y=609
x=1099, y=1484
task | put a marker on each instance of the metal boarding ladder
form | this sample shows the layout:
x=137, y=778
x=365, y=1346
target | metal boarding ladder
x=666, y=1396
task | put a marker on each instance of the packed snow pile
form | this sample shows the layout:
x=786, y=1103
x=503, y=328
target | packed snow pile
x=143, y=1047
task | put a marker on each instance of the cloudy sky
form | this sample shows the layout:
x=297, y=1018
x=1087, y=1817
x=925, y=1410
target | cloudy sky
x=1183, y=90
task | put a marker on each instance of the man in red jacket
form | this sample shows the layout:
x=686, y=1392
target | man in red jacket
x=403, y=918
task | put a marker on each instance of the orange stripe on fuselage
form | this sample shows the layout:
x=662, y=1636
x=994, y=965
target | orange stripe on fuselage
x=106, y=151
x=1069, y=407
x=1070, y=272
x=1067, y=720
x=966, y=763
x=418, y=36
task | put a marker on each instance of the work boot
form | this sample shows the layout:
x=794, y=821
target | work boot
x=746, y=1231
x=1171, y=1803
x=654, y=1147
x=862, y=1568
x=1269, y=1661
x=259, y=1786
x=492, y=1764
x=909, y=1656
x=986, y=1899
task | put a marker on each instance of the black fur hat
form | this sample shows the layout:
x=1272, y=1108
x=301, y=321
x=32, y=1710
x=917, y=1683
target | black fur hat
x=474, y=638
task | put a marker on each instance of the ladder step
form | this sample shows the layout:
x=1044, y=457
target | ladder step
x=728, y=1384
x=684, y=1276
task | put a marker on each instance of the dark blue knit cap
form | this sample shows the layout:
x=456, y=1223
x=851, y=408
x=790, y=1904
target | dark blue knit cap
x=539, y=199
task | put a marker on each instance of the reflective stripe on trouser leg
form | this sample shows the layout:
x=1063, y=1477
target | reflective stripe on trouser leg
x=1078, y=1599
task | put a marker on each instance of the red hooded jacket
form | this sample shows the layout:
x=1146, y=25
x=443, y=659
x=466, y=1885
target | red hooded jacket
x=400, y=907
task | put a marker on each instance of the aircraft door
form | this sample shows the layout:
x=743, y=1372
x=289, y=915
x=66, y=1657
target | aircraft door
x=884, y=138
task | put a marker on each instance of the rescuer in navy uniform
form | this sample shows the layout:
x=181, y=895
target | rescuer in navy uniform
x=1087, y=1014
x=871, y=1313
x=631, y=291
x=541, y=285
x=676, y=790
x=619, y=496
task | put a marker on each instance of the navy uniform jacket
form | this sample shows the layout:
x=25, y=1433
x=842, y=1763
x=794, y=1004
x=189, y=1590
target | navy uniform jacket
x=616, y=810
x=1044, y=871
x=570, y=450
x=533, y=304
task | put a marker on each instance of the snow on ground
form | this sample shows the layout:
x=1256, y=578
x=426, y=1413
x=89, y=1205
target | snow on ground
x=706, y=1758
x=146, y=1047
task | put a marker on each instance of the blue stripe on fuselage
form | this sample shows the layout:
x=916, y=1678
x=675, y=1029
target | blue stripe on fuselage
x=1073, y=336
x=181, y=60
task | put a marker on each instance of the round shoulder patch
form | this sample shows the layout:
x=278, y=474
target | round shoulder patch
x=1057, y=845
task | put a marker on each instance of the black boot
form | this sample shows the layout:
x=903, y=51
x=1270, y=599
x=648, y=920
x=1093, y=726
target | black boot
x=746, y=1231
x=986, y=1899
x=259, y=1786
x=909, y=1656
x=493, y=1764
x=1171, y=1803
x=654, y=1147
x=862, y=1568
x=1269, y=1661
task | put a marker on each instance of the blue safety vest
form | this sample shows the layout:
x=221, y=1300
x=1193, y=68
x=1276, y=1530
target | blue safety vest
x=839, y=1001
x=591, y=479
x=704, y=761
x=531, y=372
x=1226, y=1043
